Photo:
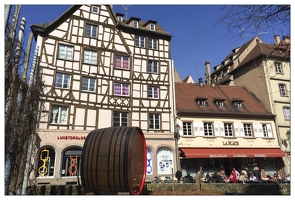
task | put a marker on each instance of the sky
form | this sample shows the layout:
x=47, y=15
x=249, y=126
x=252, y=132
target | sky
x=195, y=38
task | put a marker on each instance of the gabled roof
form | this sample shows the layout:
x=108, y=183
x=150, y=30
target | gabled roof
x=187, y=93
x=44, y=29
x=189, y=79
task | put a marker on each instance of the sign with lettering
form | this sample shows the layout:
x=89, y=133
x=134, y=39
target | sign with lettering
x=71, y=137
x=235, y=143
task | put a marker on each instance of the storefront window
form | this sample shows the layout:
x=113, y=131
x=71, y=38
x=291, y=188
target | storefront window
x=46, y=161
x=164, y=161
x=70, y=162
x=149, y=162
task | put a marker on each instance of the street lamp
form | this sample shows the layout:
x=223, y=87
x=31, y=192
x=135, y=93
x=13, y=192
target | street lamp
x=176, y=137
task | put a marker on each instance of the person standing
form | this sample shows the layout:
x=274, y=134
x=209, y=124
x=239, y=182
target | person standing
x=257, y=173
x=178, y=174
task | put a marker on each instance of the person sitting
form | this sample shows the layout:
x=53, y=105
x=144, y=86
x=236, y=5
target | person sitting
x=207, y=177
x=269, y=178
x=219, y=178
x=188, y=178
x=253, y=178
x=242, y=178
x=275, y=177
x=225, y=178
x=232, y=178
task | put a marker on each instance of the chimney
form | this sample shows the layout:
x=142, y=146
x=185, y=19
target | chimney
x=287, y=39
x=208, y=73
x=201, y=82
x=277, y=40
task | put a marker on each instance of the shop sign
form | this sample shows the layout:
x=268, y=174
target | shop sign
x=234, y=143
x=260, y=155
x=240, y=155
x=218, y=155
x=71, y=137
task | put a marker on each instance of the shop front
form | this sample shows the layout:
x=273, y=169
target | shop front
x=210, y=160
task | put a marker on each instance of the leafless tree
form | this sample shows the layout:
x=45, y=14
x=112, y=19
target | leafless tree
x=241, y=19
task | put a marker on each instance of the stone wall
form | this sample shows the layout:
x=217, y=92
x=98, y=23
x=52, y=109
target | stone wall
x=178, y=189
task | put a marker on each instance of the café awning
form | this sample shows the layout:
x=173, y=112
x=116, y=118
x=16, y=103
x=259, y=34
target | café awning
x=233, y=152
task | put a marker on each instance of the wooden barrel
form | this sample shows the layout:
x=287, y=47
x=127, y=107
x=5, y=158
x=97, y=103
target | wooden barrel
x=114, y=161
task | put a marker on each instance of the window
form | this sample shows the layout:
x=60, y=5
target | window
x=287, y=113
x=88, y=84
x=122, y=89
x=202, y=103
x=152, y=27
x=153, y=43
x=65, y=52
x=59, y=115
x=264, y=130
x=278, y=67
x=46, y=160
x=94, y=9
x=139, y=41
x=120, y=18
x=187, y=128
x=91, y=31
x=121, y=62
x=62, y=80
x=71, y=161
x=120, y=119
x=208, y=130
x=153, y=92
x=152, y=66
x=220, y=103
x=248, y=130
x=238, y=104
x=283, y=90
x=135, y=24
x=154, y=121
x=165, y=161
x=228, y=129
x=90, y=57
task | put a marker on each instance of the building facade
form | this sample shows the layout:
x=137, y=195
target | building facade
x=221, y=127
x=265, y=70
x=101, y=70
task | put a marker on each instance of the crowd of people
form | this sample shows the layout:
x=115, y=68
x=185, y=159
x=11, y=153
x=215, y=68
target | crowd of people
x=236, y=176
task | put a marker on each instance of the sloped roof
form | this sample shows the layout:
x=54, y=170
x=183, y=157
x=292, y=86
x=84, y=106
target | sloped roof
x=187, y=93
x=267, y=49
x=46, y=28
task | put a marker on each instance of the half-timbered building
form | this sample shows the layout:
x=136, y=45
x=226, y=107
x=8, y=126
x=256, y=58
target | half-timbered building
x=102, y=70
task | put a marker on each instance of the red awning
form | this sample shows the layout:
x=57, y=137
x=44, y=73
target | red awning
x=232, y=152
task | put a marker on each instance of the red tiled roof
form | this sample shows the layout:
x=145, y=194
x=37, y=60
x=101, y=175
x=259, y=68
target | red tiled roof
x=187, y=93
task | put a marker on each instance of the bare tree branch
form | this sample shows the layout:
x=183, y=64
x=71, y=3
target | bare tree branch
x=239, y=19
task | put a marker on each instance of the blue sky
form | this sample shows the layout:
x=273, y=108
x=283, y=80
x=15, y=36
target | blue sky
x=195, y=39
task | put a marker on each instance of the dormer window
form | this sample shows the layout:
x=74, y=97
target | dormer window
x=135, y=24
x=201, y=101
x=152, y=27
x=94, y=9
x=238, y=102
x=119, y=17
x=219, y=102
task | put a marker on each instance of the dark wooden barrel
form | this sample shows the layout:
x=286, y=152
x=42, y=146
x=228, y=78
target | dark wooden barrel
x=114, y=160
